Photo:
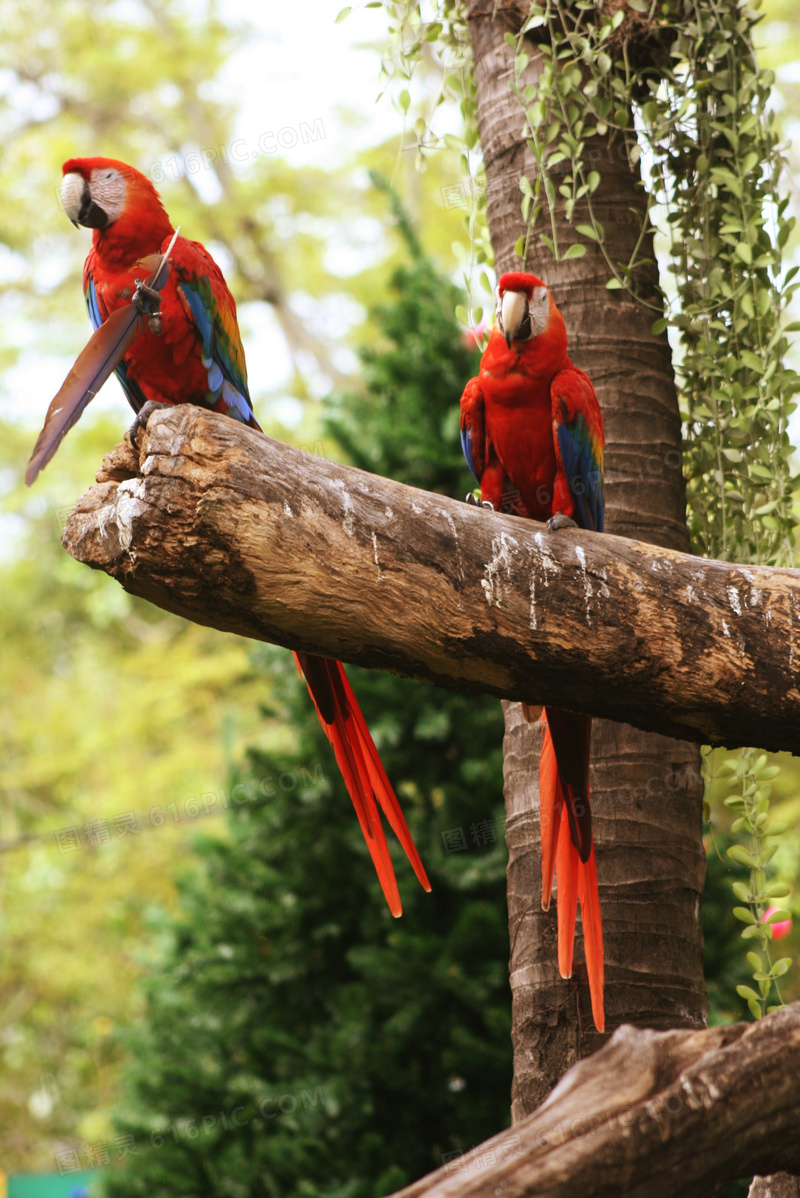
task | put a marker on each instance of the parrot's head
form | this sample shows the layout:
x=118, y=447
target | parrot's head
x=99, y=193
x=525, y=308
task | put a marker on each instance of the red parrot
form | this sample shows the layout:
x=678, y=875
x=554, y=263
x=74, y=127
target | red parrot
x=191, y=352
x=532, y=434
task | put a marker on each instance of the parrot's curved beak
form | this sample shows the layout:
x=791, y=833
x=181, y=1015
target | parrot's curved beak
x=77, y=202
x=513, y=311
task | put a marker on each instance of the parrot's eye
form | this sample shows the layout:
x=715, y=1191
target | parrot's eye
x=108, y=190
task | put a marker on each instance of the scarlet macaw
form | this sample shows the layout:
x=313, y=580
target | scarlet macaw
x=532, y=434
x=191, y=352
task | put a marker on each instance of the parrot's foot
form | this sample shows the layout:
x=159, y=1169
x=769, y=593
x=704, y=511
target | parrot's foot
x=142, y=417
x=560, y=521
x=478, y=503
x=148, y=301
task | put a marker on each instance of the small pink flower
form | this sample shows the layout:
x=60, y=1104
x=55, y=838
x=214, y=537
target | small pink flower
x=472, y=337
x=780, y=929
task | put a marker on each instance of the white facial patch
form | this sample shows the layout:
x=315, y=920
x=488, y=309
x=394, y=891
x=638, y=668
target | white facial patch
x=108, y=188
x=539, y=310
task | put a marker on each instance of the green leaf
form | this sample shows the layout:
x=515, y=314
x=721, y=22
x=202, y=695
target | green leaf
x=343, y=12
x=587, y=231
x=746, y=992
x=593, y=182
x=752, y=360
x=754, y=1007
x=778, y=915
x=739, y=854
x=741, y=891
x=744, y=914
x=781, y=967
x=614, y=285
x=658, y=326
x=576, y=250
x=754, y=961
x=743, y=251
x=519, y=246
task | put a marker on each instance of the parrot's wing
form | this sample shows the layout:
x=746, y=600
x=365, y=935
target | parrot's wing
x=210, y=305
x=578, y=437
x=112, y=337
x=473, y=428
x=133, y=392
x=93, y=366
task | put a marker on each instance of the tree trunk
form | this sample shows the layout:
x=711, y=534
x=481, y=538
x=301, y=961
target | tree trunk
x=650, y=856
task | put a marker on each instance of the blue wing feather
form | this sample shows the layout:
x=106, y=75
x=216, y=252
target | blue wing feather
x=133, y=392
x=578, y=426
x=583, y=470
x=225, y=378
x=466, y=445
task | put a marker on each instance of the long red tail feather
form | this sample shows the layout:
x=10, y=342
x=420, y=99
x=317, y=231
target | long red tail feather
x=567, y=846
x=381, y=786
x=362, y=769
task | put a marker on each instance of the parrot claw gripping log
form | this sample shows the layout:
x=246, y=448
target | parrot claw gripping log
x=142, y=416
x=532, y=434
x=482, y=503
x=560, y=521
x=172, y=339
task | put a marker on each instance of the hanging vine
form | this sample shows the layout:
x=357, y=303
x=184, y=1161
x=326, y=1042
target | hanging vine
x=676, y=85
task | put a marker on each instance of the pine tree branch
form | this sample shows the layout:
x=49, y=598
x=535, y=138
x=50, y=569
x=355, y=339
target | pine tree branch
x=652, y=1114
x=231, y=529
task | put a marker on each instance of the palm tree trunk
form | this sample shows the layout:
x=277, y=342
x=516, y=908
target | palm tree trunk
x=646, y=789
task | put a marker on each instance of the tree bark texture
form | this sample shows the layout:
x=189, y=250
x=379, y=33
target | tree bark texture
x=650, y=858
x=651, y=1115
x=229, y=528
x=779, y=1185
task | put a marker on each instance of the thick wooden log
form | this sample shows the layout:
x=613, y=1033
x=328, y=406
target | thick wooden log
x=229, y=528
x=651, y=1115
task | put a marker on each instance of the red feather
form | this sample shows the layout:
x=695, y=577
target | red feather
x=94, y=365
x=361, y=767
x=576, y=879
x=105, y=350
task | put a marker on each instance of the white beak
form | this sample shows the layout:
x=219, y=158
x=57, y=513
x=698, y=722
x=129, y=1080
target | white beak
x=72, y=190
x=512, y=312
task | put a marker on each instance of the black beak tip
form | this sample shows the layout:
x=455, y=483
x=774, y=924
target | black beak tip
x=508, y=340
